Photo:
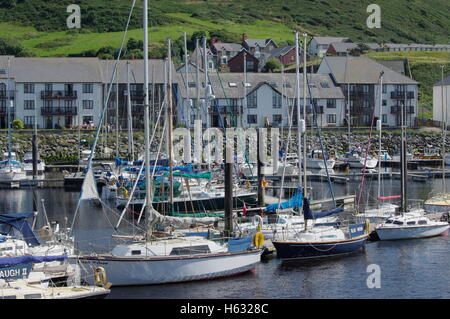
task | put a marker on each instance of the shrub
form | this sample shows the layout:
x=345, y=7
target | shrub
x=17, y=124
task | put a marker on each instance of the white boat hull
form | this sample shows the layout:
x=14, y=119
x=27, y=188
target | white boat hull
x=122, y=271
x=319, y=164
x=393, y=233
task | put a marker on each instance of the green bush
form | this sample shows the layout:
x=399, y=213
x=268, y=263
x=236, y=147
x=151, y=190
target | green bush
x=17, y=124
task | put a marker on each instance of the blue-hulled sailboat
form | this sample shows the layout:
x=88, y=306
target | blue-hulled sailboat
x=317, y=241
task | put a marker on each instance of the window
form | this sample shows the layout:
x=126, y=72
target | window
x=276, y=100
x=366, y=103
x=331, y=103
x=331, y=118
x=88, y=104
x=48, y=87
x=397, y=222
x=88, y=88
x=324, y=85
x=28, y=104
x=224, y=60
x=135, y=252
x=411, y=223
x=384, y=102
x=192, y=84
x=190, y=250
x=28, y=121
x=277, y=118
x=366, y=119
x=384, y=120
x=384, y=88
x=252, y=100
x=2, y=71
x=88, y=119
x=287, y=85
x=250, y=65
x=422, y=222
x=68, y=103
x=252, y=119
x=28, y=88
x=48, y=104
x=365, y=88
x=246, y=84
x=232, y=84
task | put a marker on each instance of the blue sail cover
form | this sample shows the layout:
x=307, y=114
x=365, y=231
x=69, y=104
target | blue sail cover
x=18, y=221
x=14, y=261
x=314, y=215
x=294, y=202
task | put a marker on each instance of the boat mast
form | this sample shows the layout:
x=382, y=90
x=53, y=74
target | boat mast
x=444, y=128
x=245, y=89
x=188, y=106
x=403, y=161
x=117, y=112
x=305, y=83
x=197, y=78
x=380, y=125
x=348, y=106
x=9, y=107
x=205, y=70
x=130, y=119
x=169, y=119
x=146, y=115
x=299, y=143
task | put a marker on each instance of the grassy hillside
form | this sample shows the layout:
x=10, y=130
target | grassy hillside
x=40, y=25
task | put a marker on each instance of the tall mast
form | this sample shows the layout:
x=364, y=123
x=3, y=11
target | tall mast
x=403, y=161
x=9, y=107
x=380, y=126
x=444, y=128
x=197, y=78
x=299, y=125
x=245, y=88
x=117, y=112
x=208, y=124
x=169, y=119
x=146, y=114
x=188, y=105
x=348, y=105
x=305, y=83
x=130, y=118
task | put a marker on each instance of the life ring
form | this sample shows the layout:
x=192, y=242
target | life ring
x=100, y=276
x=122, y=192
x=258, y=219
x=258, y=239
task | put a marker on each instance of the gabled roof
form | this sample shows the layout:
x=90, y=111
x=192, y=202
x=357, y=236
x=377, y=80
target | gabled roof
x=362, y=70
x=446, y=81
x=228, y=46
x=395, y=65
x=275, y=53
x=321, y=85
x=262, y=43
x=329, y=40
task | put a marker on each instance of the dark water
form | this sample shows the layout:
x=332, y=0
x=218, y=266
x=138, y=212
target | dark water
x=408, y=269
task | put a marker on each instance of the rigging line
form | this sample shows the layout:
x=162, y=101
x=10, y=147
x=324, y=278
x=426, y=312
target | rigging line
x=105, y=107
x=313, y=103
x=142, y=165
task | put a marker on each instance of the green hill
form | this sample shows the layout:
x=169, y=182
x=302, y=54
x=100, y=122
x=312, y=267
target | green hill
x=40, y=25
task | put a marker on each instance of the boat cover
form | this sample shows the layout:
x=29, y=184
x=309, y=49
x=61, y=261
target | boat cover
x=314, y=215
x=294, y=202
x=18, y=221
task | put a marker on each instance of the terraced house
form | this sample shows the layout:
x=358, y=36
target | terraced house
x=359, y=79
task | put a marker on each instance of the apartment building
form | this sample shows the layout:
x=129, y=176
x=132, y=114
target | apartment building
x=441, y=99
x=359, y=79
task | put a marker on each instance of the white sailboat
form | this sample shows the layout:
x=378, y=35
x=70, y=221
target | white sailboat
x=409, y=223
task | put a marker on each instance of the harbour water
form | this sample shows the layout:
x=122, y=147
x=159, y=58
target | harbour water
x=408, y=269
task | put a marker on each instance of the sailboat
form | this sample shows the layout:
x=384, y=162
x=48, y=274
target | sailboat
x=172, y=259
x=381, y=212
x=409, y=223
x=317, y=241
x=11, y=170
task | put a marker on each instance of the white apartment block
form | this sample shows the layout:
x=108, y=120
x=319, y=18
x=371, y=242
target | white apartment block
x=441, y=99
x=359, y=79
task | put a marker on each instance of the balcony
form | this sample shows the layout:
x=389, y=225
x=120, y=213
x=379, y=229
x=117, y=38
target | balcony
x=359, y=94
x=72, y=110
x=4, y=94
x=399, y=95
x=397, y=109
x=54, y=95
x=4, y=111
x=224, y=109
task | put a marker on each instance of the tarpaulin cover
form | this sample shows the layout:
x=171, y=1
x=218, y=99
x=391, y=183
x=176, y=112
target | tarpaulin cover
x=314, y=215
x=293, y=202
x=18, y=222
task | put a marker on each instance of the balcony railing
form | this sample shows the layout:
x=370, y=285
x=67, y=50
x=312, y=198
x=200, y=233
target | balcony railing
x=4, y=110
x=224, y=109
x=4, y=94
x=70, y=110
x=399, y=95
x=397, y=109
x=58, y=95
x=360, y=94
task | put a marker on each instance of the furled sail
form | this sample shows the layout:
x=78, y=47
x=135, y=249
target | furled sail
x=294, y=202
x=314, y=215
x=179, y=222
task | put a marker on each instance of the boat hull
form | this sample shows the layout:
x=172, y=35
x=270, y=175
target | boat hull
x=160, y=270
x=394, y=233
x=310, y=250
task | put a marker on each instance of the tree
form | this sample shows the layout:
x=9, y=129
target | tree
x=10, y=47
x=17, y=124
x=271, y=65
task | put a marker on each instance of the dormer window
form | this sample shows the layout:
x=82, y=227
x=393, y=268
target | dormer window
x=232, y=84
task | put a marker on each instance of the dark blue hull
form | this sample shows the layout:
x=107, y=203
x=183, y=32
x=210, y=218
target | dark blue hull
x=307, y=250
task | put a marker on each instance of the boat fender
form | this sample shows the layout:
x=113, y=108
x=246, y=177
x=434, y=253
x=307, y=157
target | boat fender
x=258, y=239
x=100, y=276
x=248, y=185
x=122, y=191
x=367, y=226
x=258, y=219
x=45, y=232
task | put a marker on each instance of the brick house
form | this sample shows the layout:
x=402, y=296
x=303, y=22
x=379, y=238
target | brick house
x=236, y=63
